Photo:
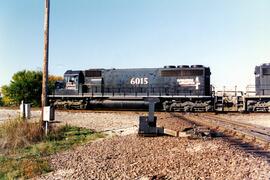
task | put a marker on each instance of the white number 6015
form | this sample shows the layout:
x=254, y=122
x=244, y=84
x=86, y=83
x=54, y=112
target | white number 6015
x=136, y=81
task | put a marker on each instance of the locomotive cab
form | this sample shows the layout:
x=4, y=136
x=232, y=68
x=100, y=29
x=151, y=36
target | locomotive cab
x=262, y=79
x=73, y=80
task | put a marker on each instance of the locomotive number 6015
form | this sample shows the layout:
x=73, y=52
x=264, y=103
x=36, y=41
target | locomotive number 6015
x=138, y=81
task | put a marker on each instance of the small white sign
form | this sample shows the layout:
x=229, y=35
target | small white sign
x=189, y=82
x=186, y=82
x=48, y=113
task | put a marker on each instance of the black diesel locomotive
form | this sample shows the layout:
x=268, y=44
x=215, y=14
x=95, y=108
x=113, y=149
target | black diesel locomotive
x=181, y=88
x=260, y=99
x=178, y=88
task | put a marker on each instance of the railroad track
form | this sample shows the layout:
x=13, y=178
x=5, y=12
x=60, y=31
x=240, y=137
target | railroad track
x=250, y=133
x=252, y=138
x=256, y=132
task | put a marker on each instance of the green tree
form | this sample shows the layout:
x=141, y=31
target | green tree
x=51, y=82
x=6, y=97
x=1, y=101
x=27, y=86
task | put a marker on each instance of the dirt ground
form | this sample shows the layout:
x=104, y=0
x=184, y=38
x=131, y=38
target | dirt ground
x=262, y=119
x=125, y=155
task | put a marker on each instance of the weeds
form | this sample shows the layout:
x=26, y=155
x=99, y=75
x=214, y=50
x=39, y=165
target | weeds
x=25, y=150
x=18, y=133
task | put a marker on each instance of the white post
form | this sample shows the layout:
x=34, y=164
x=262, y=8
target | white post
x=27, y=108
x=22, y=110
x=46, y=128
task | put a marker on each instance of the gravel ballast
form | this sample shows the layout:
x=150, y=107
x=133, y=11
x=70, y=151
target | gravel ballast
x=133, y=157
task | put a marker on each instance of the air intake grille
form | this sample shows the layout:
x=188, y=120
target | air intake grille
x=92, y=73
x=171, y=73
x=266, y=71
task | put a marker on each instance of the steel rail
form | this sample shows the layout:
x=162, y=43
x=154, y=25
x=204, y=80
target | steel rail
x=252, y=127
x=245, y=131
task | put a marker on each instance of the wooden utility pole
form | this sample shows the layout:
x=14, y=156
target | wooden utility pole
x=44, y=101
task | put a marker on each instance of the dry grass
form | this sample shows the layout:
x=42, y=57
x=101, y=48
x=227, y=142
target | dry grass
x=18, y=133
x=24, y=148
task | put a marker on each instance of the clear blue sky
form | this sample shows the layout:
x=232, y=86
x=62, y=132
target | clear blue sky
x=230, y=36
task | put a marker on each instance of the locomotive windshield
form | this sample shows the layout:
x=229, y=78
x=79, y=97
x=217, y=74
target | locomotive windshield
x=73, y=79
x=71, y=82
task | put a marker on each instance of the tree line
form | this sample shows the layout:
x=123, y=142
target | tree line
x=27, y=86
